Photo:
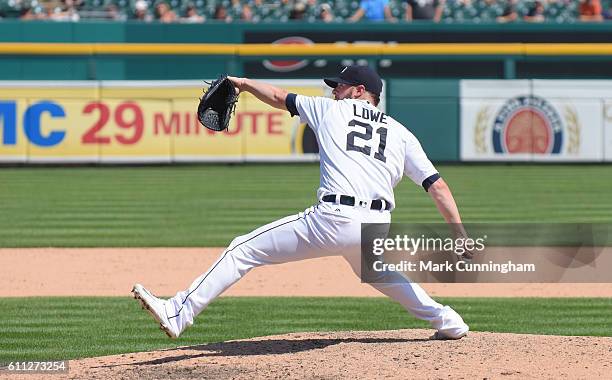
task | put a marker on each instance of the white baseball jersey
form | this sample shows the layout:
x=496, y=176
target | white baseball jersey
x=363, y=152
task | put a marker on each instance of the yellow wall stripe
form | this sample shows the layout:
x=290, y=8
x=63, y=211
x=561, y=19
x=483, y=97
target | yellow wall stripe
x=374, y=49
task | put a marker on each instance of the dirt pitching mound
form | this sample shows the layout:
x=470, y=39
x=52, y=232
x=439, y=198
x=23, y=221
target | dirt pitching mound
x=398, y=354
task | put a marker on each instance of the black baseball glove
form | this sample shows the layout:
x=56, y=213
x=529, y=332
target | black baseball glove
x=218, y=103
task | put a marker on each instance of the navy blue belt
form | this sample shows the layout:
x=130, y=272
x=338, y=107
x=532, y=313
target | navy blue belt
x=376, y=204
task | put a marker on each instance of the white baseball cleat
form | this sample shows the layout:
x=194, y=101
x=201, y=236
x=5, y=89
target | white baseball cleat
x=442, y=336
x=156, y=307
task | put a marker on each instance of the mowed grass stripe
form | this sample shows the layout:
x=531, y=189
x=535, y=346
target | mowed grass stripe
x=209, y=205
x=81, y=326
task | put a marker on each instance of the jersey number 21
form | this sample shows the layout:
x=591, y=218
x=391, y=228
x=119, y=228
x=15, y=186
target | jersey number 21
x=366, y=149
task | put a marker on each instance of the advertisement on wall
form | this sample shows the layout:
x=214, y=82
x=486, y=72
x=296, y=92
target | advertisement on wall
x=535, y=120
x=306, y=67
x=132, y=121
x=389, y=34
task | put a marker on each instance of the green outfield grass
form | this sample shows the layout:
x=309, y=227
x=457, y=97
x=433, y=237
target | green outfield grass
x=210, y=205
x=67, y=328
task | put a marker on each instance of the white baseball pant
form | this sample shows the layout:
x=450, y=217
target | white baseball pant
x=323, y=230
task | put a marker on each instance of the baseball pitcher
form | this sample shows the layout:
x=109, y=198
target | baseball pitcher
x=364, y=153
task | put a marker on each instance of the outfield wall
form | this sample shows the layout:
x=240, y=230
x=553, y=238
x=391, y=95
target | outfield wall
x=144, y=121
x=507, y=120
x=569, y=51
x=536, y=120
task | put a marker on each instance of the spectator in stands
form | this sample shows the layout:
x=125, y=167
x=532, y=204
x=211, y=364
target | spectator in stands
x=113, y=13
x=66, y=12
x=510, y=13
x=424, y=10
x=221, y=13
x=163, y=13
x=607, y=14
x=373, y=10
x=286, y=6
x=192, y=16
x=246, y=13
x=590, y=10
x=70, y=11
x=259, y=10
x=535, y=13
x=235, y=9
x=312, y=10
x=311, y=4
x=298, y=12
x=325, y=14
x=488, y=10
x=27, y=13
x=141, y=11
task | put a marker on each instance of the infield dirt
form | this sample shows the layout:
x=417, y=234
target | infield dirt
x=113, y=272
x=400, y=354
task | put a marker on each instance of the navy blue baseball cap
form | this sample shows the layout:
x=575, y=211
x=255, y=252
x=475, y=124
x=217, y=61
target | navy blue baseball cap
x=356, y=75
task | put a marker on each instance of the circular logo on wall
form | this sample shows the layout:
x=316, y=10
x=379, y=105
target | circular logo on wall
x=291, y=65
x=303, y=140
x=527, y=124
